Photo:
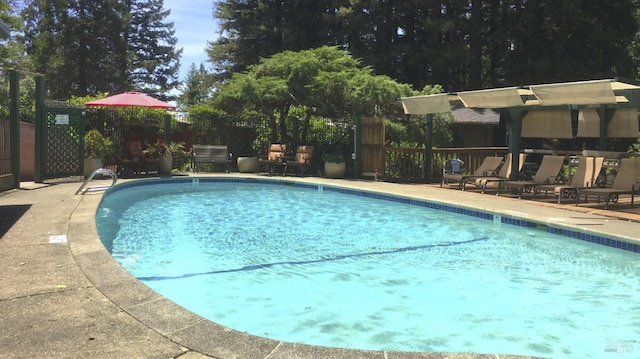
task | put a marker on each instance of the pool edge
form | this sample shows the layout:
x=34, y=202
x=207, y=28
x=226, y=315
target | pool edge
x=187, y=328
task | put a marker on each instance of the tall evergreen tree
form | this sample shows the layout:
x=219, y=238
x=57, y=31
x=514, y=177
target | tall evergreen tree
x=78, y=45
x=12, y=57
x=84, y=47
x=12, y=50
x=566, y=40
x=460, y=44
x=253, y=29
x=197, y=87
x=154, y=60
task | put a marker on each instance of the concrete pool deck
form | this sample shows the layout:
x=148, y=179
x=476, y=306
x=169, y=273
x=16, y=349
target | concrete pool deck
x=62, y=295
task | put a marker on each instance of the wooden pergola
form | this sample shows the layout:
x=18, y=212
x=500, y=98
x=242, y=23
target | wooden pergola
x=599, y=100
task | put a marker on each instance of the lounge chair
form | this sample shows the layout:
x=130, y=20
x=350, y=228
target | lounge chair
x=627, y=181
x=275, y=157
x=488, y=167
x=585, y=176
x=503, y=175
x=547, y=173
x=302, y=159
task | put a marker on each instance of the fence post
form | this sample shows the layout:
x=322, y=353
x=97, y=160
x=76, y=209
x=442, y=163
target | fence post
x=41, y=126
x=14, y=125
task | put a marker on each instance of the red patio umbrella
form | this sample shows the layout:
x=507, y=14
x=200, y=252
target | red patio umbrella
x=130, y=98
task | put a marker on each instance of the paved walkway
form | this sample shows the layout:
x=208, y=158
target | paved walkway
x=63, y=296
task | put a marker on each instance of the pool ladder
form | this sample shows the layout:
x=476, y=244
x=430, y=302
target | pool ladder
x=99, y=171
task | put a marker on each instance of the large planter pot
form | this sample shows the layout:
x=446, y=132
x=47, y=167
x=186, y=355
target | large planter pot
x=247, y=164
x=90, y=165
x=164, y=166
x=334, y=170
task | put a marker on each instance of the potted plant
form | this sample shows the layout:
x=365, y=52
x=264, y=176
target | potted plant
x=96, y=148
x=180, y=157
x=163, y=153
x=249, y=164
x=334, y=165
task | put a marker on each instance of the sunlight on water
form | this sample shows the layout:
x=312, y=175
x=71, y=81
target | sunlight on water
x=322, y=268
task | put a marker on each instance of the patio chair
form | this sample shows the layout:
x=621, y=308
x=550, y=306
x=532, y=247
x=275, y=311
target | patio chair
x=627, y=181
x=585, y=176
x=133, y=160
x=275, y=157
x=488, y=167
x=452, y=166
x=302, y=159
x=503, y=174
x=547, y=173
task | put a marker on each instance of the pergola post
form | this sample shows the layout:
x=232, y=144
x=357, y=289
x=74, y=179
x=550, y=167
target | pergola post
x=428, y=147
x=515, y=139
x=602, y=140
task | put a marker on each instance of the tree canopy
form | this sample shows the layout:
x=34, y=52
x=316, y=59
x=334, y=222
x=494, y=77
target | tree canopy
x=88, y=47
x=460, y=44
x=325, y=82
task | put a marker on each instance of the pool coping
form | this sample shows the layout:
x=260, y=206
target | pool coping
x=196, y=333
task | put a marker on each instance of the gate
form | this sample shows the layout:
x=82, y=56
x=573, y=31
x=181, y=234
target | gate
x=61, y=152
x=373, y=152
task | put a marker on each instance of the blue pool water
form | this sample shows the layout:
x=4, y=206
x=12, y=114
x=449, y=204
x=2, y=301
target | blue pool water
x=314, y=266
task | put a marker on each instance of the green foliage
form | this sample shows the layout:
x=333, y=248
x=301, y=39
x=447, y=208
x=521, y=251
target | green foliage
x=98, y=146
x=403, y=130
x=332, y=157
x=251, y=30
x=206, y=122
x=459, y=44
x=154, y=61
x=634, y=148
x=89, y=47
x=395, y=132
x=197, y=87
x=80, y=47
x=156, y=149
x=181, y=157
x=325, y=82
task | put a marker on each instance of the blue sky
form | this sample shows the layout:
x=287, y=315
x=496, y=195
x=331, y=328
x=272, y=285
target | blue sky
x=194, y=25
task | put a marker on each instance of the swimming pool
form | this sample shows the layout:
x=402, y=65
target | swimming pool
x=450, y=280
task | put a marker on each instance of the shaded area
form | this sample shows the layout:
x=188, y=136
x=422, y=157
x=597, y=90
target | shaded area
x=9, y=215
x=355, y=255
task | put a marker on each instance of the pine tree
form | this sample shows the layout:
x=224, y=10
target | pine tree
x=253, y=29
x=197, y=87
x=78, y=45
x=155, y=62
